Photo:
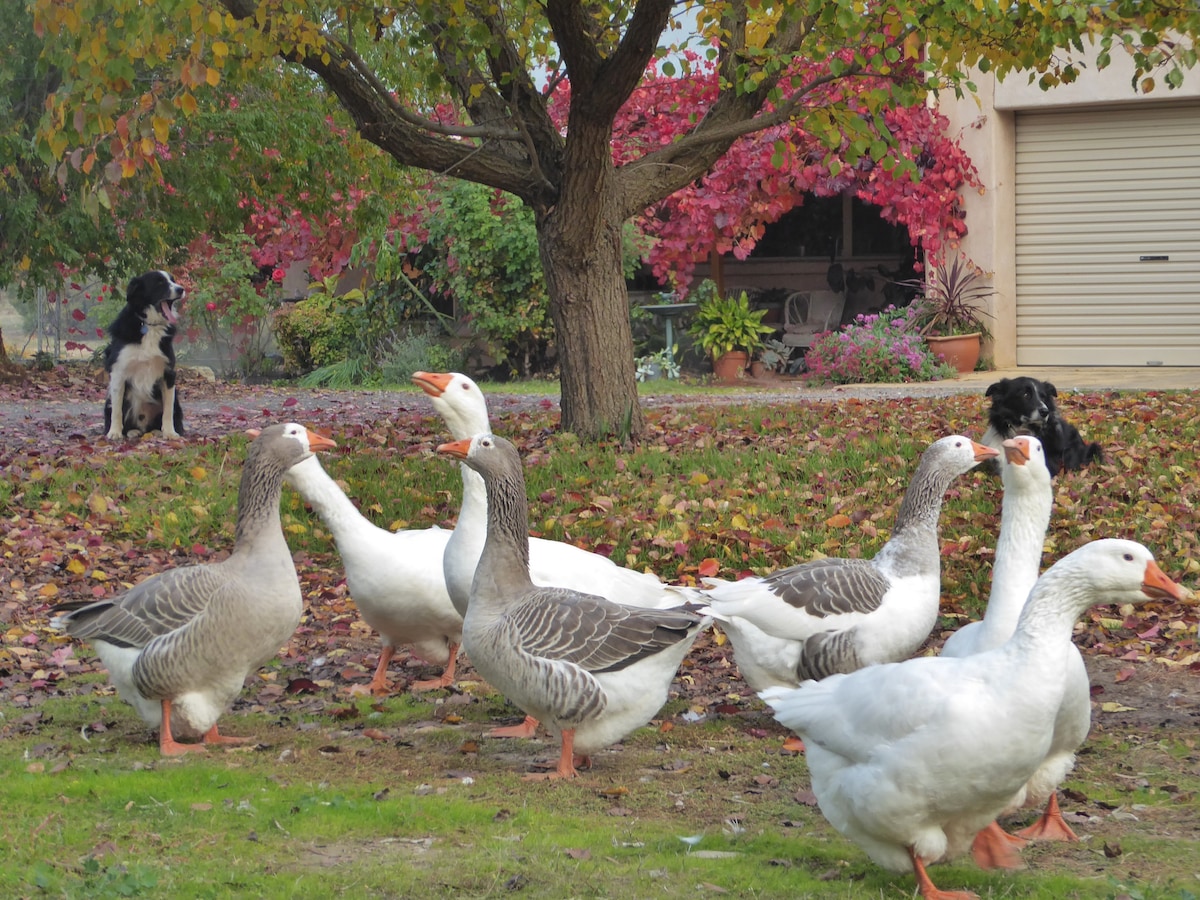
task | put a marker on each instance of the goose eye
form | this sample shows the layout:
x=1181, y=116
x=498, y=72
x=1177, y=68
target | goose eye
x=1128, y=557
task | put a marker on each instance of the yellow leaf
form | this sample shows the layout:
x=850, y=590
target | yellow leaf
x=97, y=504
x=1113, y=706
x=295, y=529
x=841, y=520
x=188, y=104
x=49, y=590
x=76, y=567
x=213, y=77
x=739, y=521
x=97, y=575
x=198, y=473
x=171, y=518
x=220, y=49
x=698, y=478
x=200, y=512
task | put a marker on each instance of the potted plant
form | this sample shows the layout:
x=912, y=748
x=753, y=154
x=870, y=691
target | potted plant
x=728, y=330
x=773, y=356
x=949, y=312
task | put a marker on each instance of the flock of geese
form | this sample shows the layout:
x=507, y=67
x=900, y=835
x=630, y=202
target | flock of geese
x=911, y=758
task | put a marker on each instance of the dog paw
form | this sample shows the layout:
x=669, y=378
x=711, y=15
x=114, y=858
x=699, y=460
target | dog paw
x=115, y=436
x=170, y=433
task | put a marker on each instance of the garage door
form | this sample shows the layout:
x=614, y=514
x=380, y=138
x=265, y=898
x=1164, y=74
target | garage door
x=1108, y=236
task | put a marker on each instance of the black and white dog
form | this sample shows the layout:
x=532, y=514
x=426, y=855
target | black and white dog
x=140, y=361
x=1027, y=406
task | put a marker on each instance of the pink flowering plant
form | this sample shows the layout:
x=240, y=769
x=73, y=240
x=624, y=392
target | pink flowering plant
x=878, y=347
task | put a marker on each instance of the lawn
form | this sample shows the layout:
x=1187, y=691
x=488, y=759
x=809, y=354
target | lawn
x=342, y=794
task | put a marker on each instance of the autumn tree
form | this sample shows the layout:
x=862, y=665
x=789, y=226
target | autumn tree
x=462, y=88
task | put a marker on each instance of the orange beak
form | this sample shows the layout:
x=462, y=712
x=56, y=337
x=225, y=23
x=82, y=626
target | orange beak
x=1016, y=451
x=1157, y=586
x=432, y=383
x=982, y=452
x=318, y=441
x=457, y=449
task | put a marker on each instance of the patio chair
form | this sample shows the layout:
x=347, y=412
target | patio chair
x=807, y=313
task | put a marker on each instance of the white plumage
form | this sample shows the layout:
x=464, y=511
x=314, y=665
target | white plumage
x=911, y=759
x=393, y=576
x=461, y=404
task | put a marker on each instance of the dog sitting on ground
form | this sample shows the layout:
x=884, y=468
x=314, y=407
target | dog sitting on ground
x=140, y=361
x=1027, y=406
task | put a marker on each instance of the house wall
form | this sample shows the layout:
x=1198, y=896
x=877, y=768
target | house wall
x=986, y=125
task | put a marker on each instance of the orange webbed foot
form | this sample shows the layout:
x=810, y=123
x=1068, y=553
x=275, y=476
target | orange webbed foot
x=527, y=729
x=929, y=891
x=993, y=848
x=1051, y=826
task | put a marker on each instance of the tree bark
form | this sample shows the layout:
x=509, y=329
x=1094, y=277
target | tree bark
x=590, y=308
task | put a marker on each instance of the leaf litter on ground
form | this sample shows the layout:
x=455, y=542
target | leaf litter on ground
x=712, y=489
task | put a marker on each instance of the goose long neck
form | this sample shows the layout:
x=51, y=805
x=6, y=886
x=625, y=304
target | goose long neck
x=922, y=503
x=1023, y=523
x=259, y=491
x=506, y=550
x=1048, y=618
x=328, y=501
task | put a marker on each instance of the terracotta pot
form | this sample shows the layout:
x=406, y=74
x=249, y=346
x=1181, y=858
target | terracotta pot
x=757, y=368
x=730, y=366
x=959, y=350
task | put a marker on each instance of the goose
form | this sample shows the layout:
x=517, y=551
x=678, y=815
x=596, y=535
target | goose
x=462, y=406
x=179, y=645
x=837, y=615
x=393, y=577
x=910, y=759
x=590, y=669
x=1024, y=518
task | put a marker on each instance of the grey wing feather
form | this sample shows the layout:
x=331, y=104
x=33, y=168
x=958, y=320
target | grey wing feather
x=830, y=587
x=594, y=633
x=157, y=606
x=828, y=653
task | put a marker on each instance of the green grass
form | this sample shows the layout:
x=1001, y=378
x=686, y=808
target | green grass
x=426, y=808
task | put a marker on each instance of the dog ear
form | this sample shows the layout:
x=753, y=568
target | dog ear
x=1050, y=389
x=994, y=387
x=136, y=286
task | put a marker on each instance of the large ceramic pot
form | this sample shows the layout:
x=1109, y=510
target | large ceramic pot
x=959, y=350
x=730, y=366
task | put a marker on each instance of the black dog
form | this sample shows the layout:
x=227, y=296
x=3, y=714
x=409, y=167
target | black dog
x=1027, y=406
x=140, y=360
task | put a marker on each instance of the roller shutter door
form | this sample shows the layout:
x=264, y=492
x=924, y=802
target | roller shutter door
x=1108, y=236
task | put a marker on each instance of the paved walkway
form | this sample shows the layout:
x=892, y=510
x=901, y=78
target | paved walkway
x=1098, y=378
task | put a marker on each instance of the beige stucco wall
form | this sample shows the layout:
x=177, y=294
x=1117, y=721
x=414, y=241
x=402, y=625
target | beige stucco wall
x=986, y=125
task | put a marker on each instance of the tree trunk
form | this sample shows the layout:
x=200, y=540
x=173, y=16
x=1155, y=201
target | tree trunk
x=590, y=308
x=9, y=371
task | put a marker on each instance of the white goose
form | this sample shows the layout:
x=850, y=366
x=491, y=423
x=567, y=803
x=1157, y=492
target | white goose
x=179, y=645
x=837, y=615
x=1024, y=518
x=909, y=760
x=462, y=406
x=589, y=669
x=393, y=577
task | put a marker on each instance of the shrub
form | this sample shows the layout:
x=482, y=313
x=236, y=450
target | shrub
x=882, y=347
x=417, y=350
x=318, y=331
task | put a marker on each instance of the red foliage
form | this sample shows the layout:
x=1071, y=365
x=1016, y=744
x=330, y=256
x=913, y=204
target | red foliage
x=767, y=173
